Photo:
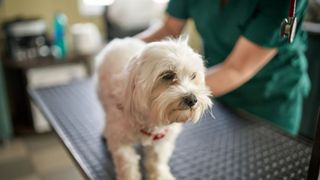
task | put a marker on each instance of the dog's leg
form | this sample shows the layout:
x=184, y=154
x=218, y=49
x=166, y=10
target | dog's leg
x=157, y=157
x=156, y=162
x=124, y=156
x=126, y=162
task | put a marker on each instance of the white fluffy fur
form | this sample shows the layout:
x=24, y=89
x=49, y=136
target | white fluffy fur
x=137, y=93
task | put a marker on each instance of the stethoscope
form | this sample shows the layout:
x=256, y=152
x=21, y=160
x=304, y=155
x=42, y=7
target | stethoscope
x=289, y=24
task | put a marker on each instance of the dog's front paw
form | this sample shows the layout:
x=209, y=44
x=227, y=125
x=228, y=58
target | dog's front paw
x=160, y=174
x=166, y=176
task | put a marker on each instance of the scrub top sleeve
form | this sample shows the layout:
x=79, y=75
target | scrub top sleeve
x=264, y=26
x=178, y=9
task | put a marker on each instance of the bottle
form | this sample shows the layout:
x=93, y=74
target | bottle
x=59, y=42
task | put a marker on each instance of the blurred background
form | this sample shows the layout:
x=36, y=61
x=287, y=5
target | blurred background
x=51, y=42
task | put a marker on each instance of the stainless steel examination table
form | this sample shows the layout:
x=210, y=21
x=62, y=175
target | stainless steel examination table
x=227, y=147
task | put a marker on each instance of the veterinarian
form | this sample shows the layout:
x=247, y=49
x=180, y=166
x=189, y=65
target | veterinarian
x=250, y=67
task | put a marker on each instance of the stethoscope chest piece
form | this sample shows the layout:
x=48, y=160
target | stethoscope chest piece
x=289, y=25
x=288, y=28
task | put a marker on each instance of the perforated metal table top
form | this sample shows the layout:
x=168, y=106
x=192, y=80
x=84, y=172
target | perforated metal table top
x=227, y=147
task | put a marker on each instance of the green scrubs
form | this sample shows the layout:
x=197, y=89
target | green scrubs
x=276, y=92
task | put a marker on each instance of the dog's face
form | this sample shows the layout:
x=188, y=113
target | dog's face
x=167, y=84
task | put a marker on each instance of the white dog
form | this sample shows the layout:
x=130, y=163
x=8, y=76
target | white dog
x=148, y=91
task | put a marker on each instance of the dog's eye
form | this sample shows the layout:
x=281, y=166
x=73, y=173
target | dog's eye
x=193, y=76
x=169, y=76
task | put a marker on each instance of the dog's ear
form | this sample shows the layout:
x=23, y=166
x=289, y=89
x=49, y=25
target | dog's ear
x=131, y=99
x=130, y=86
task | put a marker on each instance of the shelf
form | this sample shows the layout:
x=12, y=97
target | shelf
x=36, y=63
x=312, y=27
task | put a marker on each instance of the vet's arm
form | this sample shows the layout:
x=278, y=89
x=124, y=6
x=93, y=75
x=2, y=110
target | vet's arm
x=171, y=27
x=245, y=60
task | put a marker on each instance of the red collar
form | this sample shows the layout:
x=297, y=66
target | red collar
x=155, y=136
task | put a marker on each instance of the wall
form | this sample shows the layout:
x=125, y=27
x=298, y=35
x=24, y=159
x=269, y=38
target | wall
x=194, y=38
x=1, y=20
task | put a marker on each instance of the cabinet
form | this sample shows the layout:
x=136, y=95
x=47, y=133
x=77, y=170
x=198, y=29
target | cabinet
x=30, y=74
x=5, y=123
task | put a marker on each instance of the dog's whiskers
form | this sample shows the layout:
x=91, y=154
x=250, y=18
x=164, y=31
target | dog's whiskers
x=211, y=113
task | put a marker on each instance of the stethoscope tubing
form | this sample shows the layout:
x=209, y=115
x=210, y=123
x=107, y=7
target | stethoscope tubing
x=292, y=8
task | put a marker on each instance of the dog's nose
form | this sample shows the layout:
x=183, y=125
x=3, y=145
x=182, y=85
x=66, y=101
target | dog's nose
x=190, y=100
